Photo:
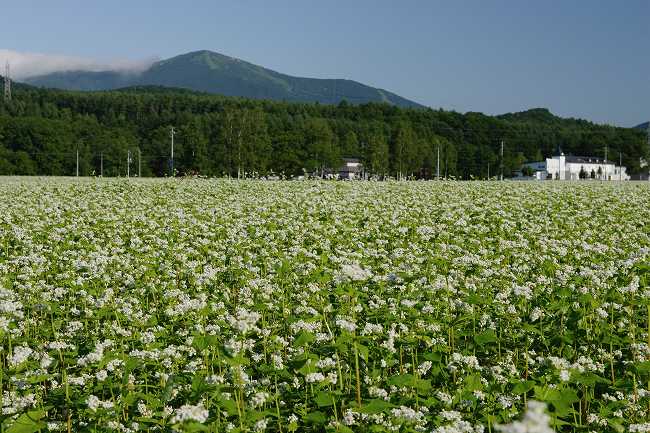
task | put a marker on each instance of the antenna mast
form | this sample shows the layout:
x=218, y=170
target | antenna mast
x=7, y=82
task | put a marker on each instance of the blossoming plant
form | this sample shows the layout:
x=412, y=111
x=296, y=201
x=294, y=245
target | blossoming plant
x=249, y=306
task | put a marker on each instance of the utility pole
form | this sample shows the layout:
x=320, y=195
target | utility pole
x=101, y=164
x=77, y=162
x=128, y=163
x=139, y=159
x=501, y=159
x=488, y=170
x=438, y=164
x=620, y=166
x=606, y=157
x=7, y=83
x=172, y=133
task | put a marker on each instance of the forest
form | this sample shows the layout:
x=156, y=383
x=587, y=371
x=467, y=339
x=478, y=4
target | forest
x=43, y=131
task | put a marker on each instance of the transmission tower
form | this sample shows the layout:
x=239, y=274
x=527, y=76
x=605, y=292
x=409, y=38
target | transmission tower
x=7, y=83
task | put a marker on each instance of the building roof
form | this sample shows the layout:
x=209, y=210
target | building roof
x=587, y=160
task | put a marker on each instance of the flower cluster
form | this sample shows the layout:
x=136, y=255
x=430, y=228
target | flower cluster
x=221, y=305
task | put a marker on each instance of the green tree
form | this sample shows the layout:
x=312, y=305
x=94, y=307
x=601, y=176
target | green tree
x=322, y=151
x=378, y=154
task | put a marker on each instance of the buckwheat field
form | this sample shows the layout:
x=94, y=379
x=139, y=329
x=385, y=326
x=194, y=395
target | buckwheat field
x=250, y=306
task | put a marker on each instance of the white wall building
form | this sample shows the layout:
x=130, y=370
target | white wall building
x=351, y=169
x=563, y=167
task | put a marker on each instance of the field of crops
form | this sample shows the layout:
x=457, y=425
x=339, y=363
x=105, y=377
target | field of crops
x=201, y=305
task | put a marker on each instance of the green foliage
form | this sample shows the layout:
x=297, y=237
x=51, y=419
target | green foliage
x=247, y=306
x=42, y=130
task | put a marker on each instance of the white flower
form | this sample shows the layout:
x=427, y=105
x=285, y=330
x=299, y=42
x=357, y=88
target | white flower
x=640, y=428
x=20, y=355
x=143, y=410
x=536, y=314
x=353, y=272
x=372, y=328
x=326, y=363
x=278, y=364
x=188, y=412
x=349, y=417
x=378, y=392
x=314, y=377
x=407, y=414
x=424, y=368
x=259, y=399
x=346, y=325
x=565, y=375
x=535, y=421
x=95, y=403
x=260, y=425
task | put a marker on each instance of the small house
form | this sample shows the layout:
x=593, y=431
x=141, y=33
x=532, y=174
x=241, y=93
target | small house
x=351, y=169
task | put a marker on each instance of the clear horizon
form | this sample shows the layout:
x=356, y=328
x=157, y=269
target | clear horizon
x=581, y=59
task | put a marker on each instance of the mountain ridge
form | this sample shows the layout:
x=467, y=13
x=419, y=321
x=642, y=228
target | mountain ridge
x=211, y=72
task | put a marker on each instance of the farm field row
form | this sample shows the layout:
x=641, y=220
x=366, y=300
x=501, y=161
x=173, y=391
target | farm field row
x=249, y=306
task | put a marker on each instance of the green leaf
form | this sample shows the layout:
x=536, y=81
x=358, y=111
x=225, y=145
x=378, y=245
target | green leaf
x=229, y=405
x=485, y=337
x=323, y=399
x=434, y=357
x=192, y=427
x=616, y=426
x=363, y=351
x=342, y=429
x=423, y=385
x=402, y=380
x=376, y=406
x=590, y=379
x=169, y=387
x=473, y=382
x=523, y=387
x=561, y=399
x=316, y=417
x=29, y=422
x=303, y=338
x=477, y=299
x=201, y=342
x=642, y=367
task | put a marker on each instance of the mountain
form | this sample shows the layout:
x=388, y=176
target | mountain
x=211, y=72
x=644, y=126
x=541, y=115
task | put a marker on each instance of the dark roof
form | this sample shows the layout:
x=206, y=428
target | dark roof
x=587, y=160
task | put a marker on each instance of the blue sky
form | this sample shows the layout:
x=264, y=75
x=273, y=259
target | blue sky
x=579, y=58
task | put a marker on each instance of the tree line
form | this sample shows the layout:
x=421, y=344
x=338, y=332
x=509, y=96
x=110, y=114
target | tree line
x=42, y=132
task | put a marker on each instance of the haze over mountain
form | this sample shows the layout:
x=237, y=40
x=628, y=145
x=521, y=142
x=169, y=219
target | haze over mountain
x=211, y=72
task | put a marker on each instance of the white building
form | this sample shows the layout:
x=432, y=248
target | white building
x=563, y=167
x=351, y=169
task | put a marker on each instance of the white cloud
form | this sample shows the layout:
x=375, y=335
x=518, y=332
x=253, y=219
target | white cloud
x=26, y=65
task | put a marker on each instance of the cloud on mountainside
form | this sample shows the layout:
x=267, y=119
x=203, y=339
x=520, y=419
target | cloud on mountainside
x=26, y=65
